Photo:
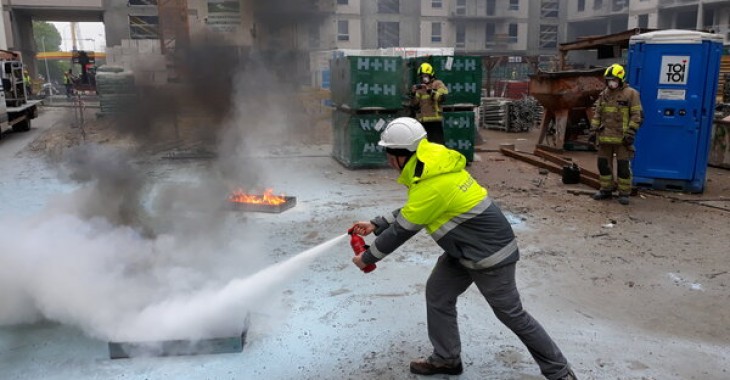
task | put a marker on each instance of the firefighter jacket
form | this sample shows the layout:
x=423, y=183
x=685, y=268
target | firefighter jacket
x=454, y=209
x=617, y=113
x=428, y=99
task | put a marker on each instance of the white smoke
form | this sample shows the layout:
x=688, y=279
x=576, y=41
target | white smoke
x=94, y=275
x=126, y=259
x=216, y=309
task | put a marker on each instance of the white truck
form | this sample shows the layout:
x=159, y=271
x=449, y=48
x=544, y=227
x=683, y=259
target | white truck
x=16, y=110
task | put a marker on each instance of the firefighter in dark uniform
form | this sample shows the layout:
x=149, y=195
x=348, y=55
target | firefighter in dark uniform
x=618, y=115
x=427, y=97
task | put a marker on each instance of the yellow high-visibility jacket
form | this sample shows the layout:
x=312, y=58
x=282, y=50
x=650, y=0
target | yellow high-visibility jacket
x=454, y=209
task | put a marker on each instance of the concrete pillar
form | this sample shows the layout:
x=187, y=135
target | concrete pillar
x=116, y=22
x=23, y=41
x=700, y=16
x=4, y=20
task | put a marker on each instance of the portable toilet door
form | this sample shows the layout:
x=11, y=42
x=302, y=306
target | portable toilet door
x=676, y=73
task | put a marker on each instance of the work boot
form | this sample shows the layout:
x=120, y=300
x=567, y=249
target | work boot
x=602, y=194
x=429, y=367
x=569, y=376
x=623, y=199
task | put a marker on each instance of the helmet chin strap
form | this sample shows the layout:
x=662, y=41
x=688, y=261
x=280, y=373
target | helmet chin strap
x=405, y=160
x=403, y=165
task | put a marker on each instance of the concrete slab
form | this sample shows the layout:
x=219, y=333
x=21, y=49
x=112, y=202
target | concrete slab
x=619, y=304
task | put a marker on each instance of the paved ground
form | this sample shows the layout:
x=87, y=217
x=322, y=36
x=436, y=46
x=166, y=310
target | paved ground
x=638, y=292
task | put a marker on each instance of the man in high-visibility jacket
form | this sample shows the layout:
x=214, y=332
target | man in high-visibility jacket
x=479, y=244
x=617, y=117
x=28, y=83
x=68, y=82
x=427, y=97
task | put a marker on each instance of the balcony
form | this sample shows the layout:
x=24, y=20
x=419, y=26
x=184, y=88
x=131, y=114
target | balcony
x=677, y=3
x=474, y=16
x=68, y=4
x=295, y=8
x=500, y=41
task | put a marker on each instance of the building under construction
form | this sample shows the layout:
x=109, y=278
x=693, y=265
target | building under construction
x=287, y=30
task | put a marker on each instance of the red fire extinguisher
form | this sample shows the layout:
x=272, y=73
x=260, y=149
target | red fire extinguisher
x=358, y=246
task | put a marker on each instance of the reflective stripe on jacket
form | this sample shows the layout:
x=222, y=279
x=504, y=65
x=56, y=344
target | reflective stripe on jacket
x=619, y=112
x=454, y=209
x=429, y=105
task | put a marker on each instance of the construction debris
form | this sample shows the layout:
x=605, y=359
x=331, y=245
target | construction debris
x=584, y=179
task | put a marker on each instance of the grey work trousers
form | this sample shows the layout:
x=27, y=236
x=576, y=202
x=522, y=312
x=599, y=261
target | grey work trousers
x=449, y=279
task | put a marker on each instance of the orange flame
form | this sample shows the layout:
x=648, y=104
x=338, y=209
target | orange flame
x=239, y=196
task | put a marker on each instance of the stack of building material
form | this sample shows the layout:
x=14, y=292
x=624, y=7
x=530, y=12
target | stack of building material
x=109, y=69
x=720, y=144
x=494, y=113
x=367, y=92
x=510, y=115
x=524, y=114
x=116, y=90
x=319, y=61
x=144, y=58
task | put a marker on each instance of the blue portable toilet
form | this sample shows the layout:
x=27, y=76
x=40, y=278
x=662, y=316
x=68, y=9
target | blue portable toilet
x=676, y=73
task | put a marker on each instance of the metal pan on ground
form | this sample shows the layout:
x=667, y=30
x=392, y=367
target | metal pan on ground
x=288, y=202
x=180, y=347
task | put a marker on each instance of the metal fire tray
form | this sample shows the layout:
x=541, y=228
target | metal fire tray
x=225, y=345
x=260, y=207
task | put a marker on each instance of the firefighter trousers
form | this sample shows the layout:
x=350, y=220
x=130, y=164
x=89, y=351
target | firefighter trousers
x=434, y=131
x=623, y=155
x=449, y=279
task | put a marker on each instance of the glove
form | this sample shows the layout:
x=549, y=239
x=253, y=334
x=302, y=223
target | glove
x=429, y=91
x=628, y=140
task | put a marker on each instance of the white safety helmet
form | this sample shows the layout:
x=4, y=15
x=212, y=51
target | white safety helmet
x=402, y=133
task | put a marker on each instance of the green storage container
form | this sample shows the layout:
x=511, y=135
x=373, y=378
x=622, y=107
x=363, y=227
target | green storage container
x=356, y=138
x=461, y=74
x=367, y=82
x=459, y=131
